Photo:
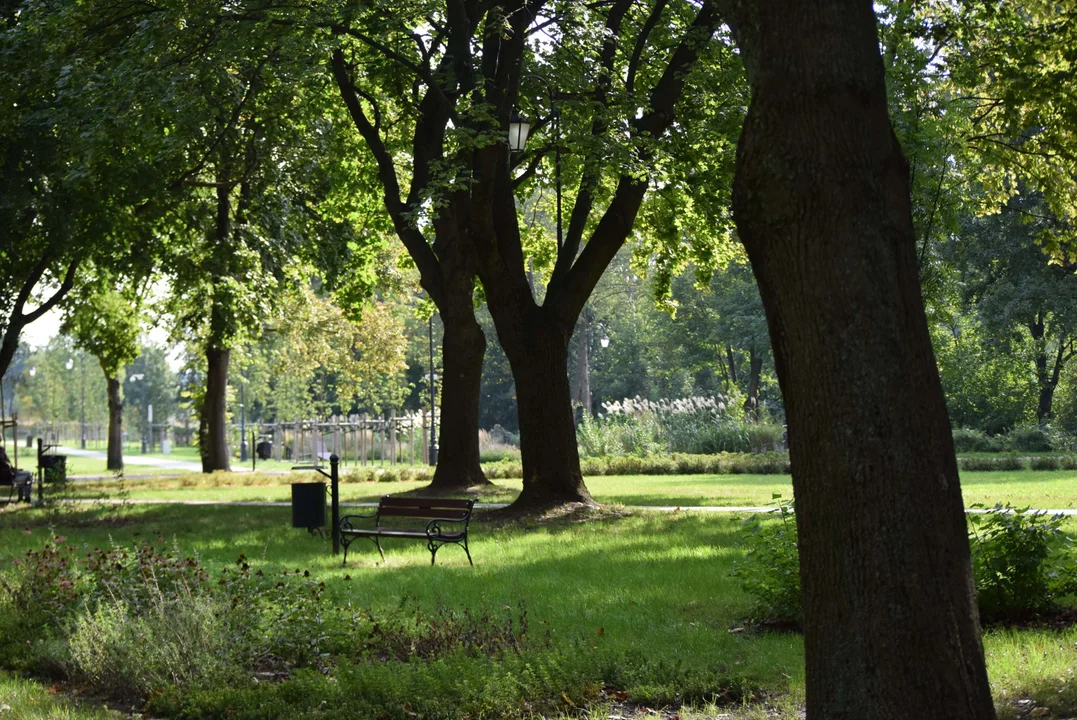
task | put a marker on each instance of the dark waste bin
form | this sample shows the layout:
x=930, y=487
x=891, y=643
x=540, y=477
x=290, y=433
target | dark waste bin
x=55, y=467
x=264, y=450
x=308, y=505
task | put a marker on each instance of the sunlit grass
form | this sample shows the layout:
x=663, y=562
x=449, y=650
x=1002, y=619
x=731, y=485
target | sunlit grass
x=28, y=700
x=1056, y=489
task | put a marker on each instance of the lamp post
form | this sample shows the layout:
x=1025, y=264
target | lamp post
x=520, y=128
x=433, y=399
x=145, y=398
x=45, y=409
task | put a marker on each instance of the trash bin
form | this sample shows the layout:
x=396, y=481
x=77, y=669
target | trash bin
x=264, y=449
x=54, y=467
x=166, y=446
x=308, y=505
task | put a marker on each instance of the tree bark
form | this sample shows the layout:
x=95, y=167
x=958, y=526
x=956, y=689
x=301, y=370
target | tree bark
x=822, y=203
x=538, y=355
x=115, y=425
x=213, y=430
x=463, y=348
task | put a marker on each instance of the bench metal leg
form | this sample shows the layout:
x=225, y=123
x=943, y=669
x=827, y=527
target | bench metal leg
x=468, y=553
x=377, y=541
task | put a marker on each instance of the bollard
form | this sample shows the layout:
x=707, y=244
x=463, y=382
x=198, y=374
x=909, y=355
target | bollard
x=334, y=499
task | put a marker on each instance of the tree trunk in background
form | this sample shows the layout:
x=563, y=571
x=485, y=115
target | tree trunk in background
x=731, y=361
x=115, y=425
x=755, y=371
x=213, y=430
x=821, y=201
x=581, y=382
x=463, y=349
x=538, y=354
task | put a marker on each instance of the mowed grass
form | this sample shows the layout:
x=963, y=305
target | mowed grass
x=646, y=599
x=1055, y=490
x=22, y=699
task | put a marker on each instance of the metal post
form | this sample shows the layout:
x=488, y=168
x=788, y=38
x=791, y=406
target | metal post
x=334, y=500
x=433, y=400
x=242, y=421
x=82, y=414
x=40, y=473
x=145, y=412
x=254, y=455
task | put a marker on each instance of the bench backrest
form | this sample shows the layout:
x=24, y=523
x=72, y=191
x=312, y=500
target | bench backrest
x=425, y=508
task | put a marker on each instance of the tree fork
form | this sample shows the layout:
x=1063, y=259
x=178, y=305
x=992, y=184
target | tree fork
x=822, y=203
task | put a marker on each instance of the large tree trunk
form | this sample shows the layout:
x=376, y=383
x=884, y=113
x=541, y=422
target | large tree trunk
x=115, y=425
x=821, y=201
x=538, y=355
x=463, y=348
x=213, y=430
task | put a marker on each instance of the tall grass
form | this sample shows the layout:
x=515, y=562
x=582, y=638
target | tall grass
x=697, y=425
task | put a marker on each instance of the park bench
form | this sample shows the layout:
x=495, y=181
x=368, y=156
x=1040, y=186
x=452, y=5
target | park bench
x=18, y=482
x=446, y=523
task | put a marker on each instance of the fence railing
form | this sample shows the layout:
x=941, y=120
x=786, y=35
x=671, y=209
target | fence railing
x=357, y=440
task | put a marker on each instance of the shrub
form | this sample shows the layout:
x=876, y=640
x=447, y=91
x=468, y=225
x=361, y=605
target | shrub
x=1045, y=463
x=992, y=464
x=770, y=571
x=1030, y=438
x=699, y=425
x=1022, y=561
x=969, y=440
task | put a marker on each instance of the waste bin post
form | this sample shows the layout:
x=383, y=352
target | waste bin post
x=334, y=498
x=40, y=472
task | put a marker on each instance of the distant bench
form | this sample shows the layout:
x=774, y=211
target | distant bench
x=447, y=522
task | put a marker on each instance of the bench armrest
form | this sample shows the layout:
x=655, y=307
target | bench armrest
x=433, y=528
x=346, y=521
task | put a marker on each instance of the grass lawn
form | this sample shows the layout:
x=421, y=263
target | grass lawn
x=641, y=604
x=1054, y=489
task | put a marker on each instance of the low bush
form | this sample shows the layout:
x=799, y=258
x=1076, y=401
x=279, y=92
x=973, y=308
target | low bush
x=969, y=440
x=1030, y=438
x=144, y=624
x=675, y=464
x=1045, y=463
x=697, y=425
x=992, y=464
x=770, y=572
x=1022, y=561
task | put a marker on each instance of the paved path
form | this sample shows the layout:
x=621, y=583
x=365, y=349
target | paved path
x=497, y=506
x=133, y=459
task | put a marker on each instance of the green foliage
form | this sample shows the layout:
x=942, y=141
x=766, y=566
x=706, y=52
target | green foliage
x=989, y=464
x=1022, y=561
x=770, y=572
x=970, y=440
x=696, y=425
x=1045, y=463
x=672, y=464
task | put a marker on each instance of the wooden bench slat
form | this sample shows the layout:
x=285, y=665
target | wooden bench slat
x=446, y=513
x=425, y=502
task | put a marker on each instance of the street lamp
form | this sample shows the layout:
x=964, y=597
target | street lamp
x=605, y=341
x=520, y=128
x=145, y=397
x=433, y=400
